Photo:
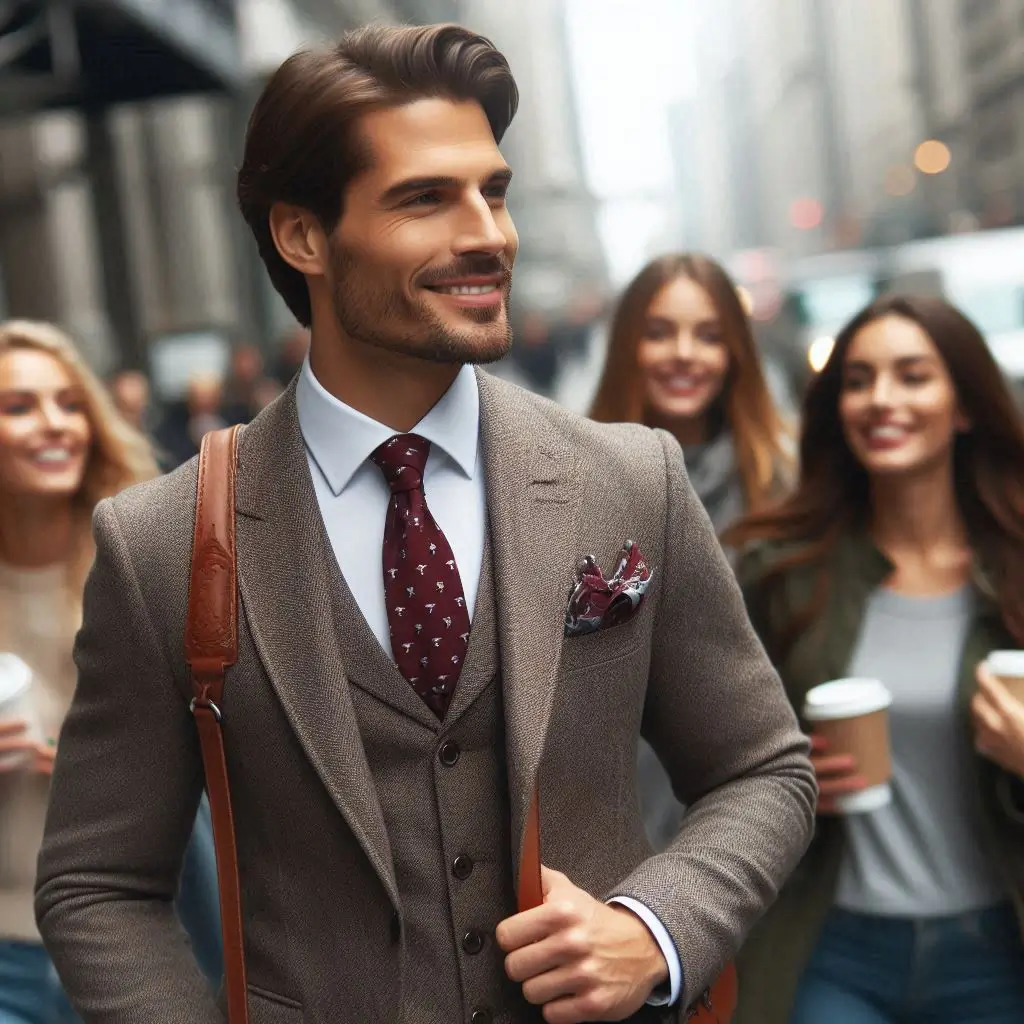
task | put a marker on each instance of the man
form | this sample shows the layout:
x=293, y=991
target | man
x=409, y=532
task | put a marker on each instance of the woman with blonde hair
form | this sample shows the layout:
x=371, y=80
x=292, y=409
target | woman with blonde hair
x=63, y=448
x=682, y=356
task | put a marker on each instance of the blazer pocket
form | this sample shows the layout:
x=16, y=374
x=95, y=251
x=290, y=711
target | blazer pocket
x=592, y=650
x=270, y=1008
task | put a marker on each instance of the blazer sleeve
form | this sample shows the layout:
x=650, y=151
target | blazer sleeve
x=121, y=814
x=718, y=717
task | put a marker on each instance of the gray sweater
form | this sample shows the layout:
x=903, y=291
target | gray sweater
x=920, y=856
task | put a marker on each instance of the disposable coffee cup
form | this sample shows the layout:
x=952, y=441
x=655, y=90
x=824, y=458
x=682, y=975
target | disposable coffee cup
x=16, y=702
x=852, y=715
x=1008, y=668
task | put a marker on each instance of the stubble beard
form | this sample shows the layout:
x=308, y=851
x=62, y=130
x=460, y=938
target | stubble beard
x=384, y=320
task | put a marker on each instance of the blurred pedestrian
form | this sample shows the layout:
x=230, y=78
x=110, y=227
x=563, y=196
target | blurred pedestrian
x=900, y=557
x=246, y=386
x=291, y=356
x=682, y=356
x=63, y=447
x=185, y=423
x=131, y=394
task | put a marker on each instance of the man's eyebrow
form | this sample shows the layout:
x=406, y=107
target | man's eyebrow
x=409, y=185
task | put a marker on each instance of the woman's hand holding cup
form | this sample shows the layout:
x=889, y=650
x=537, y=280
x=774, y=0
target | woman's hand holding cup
x=849, y=725
x=999, y=714
x=837, y=775
x=18, y=746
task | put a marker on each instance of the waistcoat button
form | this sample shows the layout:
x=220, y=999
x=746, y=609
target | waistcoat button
x=472, y=942
x=449, y=753
x=462, y=867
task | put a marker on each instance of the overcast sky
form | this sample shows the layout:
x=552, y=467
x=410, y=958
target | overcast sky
x=631, y=63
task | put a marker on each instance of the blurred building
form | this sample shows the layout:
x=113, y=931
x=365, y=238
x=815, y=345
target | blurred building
x=835, y=124
x=990, y=125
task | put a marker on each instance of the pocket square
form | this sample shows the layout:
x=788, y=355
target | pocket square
x=597, y=602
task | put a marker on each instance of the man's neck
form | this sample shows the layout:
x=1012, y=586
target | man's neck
x=391, y=388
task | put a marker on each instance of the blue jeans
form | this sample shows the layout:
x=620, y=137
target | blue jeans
x=879, y=970
x=30, y=992
x=198, y=902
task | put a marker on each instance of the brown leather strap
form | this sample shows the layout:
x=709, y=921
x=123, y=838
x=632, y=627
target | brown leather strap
x=530, y=892
x=211, y=645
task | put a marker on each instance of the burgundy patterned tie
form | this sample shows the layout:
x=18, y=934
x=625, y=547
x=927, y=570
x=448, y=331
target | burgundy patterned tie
x=422, y=587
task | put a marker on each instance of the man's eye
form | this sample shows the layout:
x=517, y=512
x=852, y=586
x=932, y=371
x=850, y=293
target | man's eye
x=497, y=192
x=423, y=199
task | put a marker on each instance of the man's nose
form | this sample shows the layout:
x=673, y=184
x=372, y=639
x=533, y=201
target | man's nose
x=480, y=230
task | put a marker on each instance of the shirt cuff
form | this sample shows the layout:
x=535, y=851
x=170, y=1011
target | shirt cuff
x=668, y=951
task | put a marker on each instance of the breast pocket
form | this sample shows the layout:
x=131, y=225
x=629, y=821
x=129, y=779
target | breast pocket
x=590, y=651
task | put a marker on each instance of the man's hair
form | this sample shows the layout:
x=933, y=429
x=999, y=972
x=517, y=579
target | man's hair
x=302, y=144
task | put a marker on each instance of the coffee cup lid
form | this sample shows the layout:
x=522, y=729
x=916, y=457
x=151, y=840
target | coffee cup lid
x=845, y=698
x=15, y=677
x=1006, y=663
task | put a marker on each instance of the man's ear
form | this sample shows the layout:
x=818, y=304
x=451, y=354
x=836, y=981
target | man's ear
x=300, y=238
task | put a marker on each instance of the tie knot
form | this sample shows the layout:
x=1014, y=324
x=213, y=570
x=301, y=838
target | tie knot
x=402, y=459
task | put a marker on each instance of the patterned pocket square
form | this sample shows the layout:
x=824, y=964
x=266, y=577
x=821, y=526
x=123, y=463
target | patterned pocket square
x=597, y=603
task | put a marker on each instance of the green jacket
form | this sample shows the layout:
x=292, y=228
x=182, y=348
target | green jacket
x=777, y=951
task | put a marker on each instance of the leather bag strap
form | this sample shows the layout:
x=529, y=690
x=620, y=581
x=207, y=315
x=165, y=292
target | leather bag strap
x=530, y=892
x=211, y=646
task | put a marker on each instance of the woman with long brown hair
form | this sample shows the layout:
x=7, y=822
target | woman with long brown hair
x=63, y=448
x=682, y=356
x=900, y=557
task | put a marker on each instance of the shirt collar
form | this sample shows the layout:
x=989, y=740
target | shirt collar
x=340, y=438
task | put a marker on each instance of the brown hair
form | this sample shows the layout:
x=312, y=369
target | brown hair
x=119, y=457
x=746, y=402
x=832, y=495
x=302, y=147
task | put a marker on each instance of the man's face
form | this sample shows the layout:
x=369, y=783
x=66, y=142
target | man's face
x=421, y=260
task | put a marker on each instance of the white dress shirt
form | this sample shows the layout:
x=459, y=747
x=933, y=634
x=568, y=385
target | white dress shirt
x=353, y=498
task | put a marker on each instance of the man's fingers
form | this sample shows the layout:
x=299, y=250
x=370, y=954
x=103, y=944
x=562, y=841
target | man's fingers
x=551, y=880
x=550, y=953
x=13, y=726
x=575, y=1009
x=834, y=764
x=534, y=925
x=561, y=980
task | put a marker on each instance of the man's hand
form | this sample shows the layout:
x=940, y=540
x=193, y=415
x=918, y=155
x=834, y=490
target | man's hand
x=579, y=958
x=998, y=723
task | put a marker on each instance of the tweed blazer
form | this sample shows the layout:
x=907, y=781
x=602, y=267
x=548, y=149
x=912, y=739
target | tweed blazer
x=318, y=879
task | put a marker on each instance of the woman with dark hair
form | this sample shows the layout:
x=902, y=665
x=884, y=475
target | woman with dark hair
x=900, y=557
x=682, y=356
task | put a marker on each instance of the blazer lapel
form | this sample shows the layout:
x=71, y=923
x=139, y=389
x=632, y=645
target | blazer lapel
x=285, y=565
x=533, y=502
